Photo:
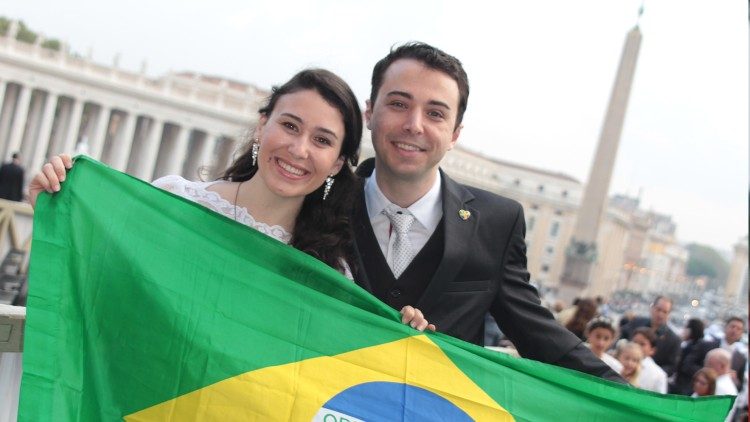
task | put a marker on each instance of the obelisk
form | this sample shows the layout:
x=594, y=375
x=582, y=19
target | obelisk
x=581, y=254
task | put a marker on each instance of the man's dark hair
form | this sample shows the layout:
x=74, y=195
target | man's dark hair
x=661, y=297
x=431, y=57
x=735, y=318
x=647, y=333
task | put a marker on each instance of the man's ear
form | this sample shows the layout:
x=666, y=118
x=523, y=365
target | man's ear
x=368, y=113
x=454, y=138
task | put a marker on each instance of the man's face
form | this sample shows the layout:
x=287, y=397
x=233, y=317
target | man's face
x=413, y=121
x=660, y=312
x=733, y=331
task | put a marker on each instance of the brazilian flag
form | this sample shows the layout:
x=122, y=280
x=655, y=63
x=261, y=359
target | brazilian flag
x=144, y=306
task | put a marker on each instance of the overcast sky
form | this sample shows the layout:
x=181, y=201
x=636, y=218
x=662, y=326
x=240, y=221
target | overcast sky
x=541, y=73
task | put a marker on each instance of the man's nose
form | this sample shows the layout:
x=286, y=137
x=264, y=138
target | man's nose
x=414, y=122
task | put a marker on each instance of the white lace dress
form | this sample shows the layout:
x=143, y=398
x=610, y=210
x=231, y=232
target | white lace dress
x=198, y=192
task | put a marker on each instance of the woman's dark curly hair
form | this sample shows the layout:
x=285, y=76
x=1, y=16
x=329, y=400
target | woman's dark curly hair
x=322, y=228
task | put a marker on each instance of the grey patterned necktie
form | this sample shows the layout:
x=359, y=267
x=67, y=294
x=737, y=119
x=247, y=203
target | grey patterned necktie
x=402, y=253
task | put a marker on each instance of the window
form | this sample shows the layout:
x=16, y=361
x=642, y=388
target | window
x=545, y=268
x=554, y=229
x=549, y=250
x=564, y=194
x=540, y=188
x=558, y=212
x=530, y=224
x=517, y=182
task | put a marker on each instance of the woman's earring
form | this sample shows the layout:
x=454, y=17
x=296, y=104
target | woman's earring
x=327, y=189
x=254, y=153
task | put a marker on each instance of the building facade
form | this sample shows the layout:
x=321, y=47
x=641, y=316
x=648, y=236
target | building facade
x=54, y=102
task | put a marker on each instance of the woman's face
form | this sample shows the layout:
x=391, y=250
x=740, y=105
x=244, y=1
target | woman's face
x=700, y=385
x=631, y=361
x=300, y=142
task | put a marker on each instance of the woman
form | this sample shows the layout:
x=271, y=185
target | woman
x=704, y=382
x=293, y=182
x=692, y=355
x=585, y=311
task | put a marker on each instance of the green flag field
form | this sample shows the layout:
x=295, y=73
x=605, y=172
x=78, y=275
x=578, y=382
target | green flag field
x=144, y=306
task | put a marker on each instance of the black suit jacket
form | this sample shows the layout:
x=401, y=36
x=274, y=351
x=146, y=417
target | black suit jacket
x=11, y=181
x=483, y=269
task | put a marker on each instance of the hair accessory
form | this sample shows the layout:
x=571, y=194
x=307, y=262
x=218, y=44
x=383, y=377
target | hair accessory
x=327, y=189
x=254, y=153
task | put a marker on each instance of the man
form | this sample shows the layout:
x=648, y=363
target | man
x=452, y=251
x=719, y=360
x=667, y=343
x=733, y=330
x=11, y=179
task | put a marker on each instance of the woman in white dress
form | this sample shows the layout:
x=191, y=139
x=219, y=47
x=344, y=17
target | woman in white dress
x=293, y=182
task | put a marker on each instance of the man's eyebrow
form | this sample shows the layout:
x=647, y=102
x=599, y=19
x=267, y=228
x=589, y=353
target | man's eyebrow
x=411, y=97
x=300, y=121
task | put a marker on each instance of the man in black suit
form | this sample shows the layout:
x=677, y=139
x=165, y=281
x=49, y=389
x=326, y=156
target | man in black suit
x=667, y=341
x=733, y=330
x=452, y=251
x=11, y=179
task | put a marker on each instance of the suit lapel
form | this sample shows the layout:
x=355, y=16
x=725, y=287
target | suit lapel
x=361, y=224
x=459, y=234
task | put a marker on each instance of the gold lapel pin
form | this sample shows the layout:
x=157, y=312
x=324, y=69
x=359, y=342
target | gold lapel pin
x=464, y=214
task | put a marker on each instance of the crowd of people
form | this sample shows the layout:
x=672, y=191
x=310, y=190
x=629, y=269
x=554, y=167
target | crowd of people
x=650, y=355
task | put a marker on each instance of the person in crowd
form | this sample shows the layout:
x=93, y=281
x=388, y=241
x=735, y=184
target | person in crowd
x=11, y=179
x=720, y=361
x=704, y=382
x=630, y=356
x=600, y=334
x=293, y=181
x=692, y=355
x=652, y=377
x=668, y=342
x=454, y=251
x=585, y=311
x=733, y=330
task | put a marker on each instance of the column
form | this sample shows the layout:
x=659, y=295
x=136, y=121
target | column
x=207, y=150
x=5, y=114
x=178, y=155
x=75, y=123
x=145, y=164
x=124, y=143
x=100, y=133
x=19, y=121
x=45, y=131
x=30, y=139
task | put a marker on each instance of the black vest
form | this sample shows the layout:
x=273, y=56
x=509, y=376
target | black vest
x=409, y=287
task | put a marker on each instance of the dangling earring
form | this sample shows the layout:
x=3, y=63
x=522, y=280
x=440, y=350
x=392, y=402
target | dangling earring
x=327, y=189
x=254, y=153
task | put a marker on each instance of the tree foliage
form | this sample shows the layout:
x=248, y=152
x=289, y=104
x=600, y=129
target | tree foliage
x=705, y=261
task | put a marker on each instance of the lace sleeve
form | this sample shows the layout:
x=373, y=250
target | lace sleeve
x=173, y=183
x=347, y=270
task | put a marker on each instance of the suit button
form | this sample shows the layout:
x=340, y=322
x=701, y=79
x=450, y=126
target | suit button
x=395, y=293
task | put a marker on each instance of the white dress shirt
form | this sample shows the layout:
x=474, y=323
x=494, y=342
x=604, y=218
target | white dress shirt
x=652, y=377
x=427, y=212
x=725, y=385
